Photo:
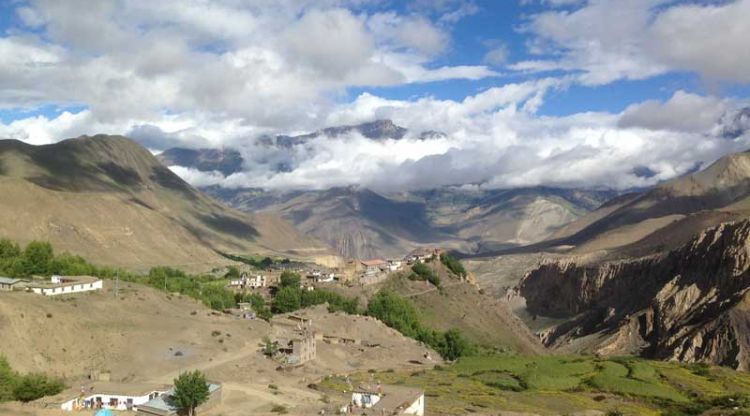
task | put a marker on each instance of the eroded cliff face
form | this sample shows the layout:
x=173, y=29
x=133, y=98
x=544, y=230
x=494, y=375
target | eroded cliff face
x=690, y=304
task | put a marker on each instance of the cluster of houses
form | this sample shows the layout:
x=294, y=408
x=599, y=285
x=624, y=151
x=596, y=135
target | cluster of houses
x=56, y=285
x=375, y=270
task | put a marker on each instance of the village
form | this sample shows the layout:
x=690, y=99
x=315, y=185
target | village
x=292, y=344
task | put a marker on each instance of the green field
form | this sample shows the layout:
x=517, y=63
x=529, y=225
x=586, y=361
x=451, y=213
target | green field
x=561, y=385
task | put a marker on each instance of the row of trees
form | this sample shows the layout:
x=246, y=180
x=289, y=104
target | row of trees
x=400, y=314
x=38, y=258
x=26, y=387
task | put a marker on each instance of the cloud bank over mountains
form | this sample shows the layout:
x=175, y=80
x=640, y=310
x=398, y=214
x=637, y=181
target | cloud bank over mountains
x=222, y=74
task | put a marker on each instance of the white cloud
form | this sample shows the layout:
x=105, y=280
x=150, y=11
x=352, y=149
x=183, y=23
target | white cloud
x=709, y=39
x=198, y=178
x=269, y=64
x=609, y=40
x=682, y=112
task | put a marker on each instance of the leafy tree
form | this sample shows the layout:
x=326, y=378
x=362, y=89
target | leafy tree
x=423, y=272
x=397, y=312
x=190, y=391
x=265, y=263
x=7, y=381
x=270, y=348
x=453, y=264
x=454, y=345
x=232, y=273
x=288, y=299
x=9, y=250
x=400, y=314
x=37, y=257
x=258, y=304
x=289, y=279
x=33, y=386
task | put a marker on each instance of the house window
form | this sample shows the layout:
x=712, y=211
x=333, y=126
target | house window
x=91, y=285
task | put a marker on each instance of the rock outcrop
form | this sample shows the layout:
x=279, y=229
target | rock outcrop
x=690, y=304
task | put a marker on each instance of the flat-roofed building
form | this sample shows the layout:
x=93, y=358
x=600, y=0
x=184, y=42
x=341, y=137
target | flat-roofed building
x=7, y=284
x=63, y=285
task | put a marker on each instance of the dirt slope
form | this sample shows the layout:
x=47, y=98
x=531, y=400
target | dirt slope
x=146, y=336
x=110, y=200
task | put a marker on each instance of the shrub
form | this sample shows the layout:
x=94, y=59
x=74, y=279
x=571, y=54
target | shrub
x=453, y=264
x=34, y=386
x=424, y=272
x=289, y=279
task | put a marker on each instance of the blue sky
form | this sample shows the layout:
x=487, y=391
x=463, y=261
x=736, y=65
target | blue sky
x=585, y=90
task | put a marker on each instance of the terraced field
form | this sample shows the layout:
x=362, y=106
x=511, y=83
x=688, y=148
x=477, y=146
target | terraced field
x=561, y=385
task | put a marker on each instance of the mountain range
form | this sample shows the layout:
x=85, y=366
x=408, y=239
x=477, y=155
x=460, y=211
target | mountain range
x=361, y=223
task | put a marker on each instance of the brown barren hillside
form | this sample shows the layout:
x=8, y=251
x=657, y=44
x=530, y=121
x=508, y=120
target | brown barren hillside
x=108, y=199
x=662, y=274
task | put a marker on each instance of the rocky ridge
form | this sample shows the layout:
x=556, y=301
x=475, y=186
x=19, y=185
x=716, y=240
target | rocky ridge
x=690, y=304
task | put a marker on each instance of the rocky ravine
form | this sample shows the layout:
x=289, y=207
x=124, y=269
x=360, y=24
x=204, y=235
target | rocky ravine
x=690, y=304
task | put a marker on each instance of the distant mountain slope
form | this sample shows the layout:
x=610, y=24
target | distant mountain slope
x=683, y=207
x=109, y=199
x=226, y=161
x=229, y=161
x=361, y=223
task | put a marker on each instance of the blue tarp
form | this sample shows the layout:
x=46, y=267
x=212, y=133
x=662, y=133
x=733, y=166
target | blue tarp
x=104, y=412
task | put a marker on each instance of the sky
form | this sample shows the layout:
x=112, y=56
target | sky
x=572, y=93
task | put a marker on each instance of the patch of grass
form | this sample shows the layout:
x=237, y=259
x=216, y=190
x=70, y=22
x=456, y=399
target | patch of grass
x=560, y=385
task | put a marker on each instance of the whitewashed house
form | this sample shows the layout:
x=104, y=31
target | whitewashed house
x=387, y=400
x=113, y=396
x=63, y=285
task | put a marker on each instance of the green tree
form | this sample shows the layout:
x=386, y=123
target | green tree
x=289, y=279
x=270, y=348
x=397, y=312
x=287, y=299
x=453, y=264
x=424, y=272
x=9, y=250
x=190, y=391
x=37, y=257
x=454, y=345
x=232, y=273
x=33, y=386
x=7, y=381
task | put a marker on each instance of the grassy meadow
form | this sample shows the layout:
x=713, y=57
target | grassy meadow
x=555, y=385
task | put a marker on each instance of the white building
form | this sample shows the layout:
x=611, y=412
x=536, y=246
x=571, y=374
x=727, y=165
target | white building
x=390, y=400
x=326, y=278
x=246, y=281
x=63, y=285
x=394, y=265
x=112, y=396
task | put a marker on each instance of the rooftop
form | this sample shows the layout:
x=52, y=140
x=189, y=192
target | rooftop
x=164, y=403
x=9, y=280
x=66, y=281
x=373, y=262
x=105, y=387
x=397, y=397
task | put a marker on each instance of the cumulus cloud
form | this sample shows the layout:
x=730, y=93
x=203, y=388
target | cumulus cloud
x=682, y=112
x=608, y=40
x=495, y=139
x=269, y=64
x=224, y=73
